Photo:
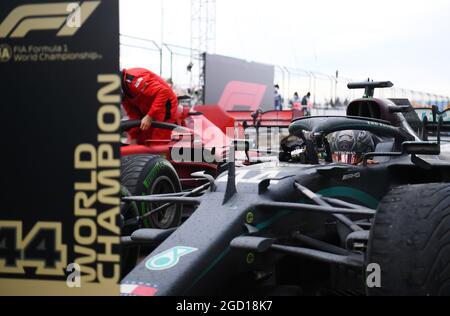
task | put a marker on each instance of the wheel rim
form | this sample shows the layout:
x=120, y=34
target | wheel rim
x=163, y=219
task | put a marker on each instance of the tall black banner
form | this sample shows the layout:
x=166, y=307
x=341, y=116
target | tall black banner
x=60, y=165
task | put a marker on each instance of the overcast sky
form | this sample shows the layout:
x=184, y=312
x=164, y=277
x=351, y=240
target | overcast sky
x=407, y=42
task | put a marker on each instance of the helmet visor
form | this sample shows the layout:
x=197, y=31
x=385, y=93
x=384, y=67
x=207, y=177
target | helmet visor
x=351, y=158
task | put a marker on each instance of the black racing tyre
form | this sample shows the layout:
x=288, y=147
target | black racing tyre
x=147, y=175
x=410, y=241
x=129, y=255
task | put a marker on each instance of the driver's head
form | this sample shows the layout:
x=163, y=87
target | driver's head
x=350, y=146
x=126, y=81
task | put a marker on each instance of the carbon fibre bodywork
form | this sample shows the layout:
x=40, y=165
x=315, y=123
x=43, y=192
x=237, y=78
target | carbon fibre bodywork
x=242, y=235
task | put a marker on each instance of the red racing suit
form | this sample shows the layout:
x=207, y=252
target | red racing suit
x=146, y=93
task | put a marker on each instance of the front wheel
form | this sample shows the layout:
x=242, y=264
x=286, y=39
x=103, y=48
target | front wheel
x=150, y=175
x=410, y=241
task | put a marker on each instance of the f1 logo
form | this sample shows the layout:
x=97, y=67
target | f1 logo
x=66, y=17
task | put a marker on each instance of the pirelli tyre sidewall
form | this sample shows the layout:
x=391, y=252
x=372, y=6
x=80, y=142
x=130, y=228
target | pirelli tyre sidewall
x=409, y=242
x=150, y=175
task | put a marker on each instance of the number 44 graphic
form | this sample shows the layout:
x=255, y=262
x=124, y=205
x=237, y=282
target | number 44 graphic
x=41, y=248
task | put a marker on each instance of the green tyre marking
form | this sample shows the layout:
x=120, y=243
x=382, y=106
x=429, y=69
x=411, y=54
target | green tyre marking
x=250, y=258
x=152, y=174
x=250, y=218
x=147, y=182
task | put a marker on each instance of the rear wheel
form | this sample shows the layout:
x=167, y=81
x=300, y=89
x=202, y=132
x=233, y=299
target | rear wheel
x=150, y=175
x=410, y=241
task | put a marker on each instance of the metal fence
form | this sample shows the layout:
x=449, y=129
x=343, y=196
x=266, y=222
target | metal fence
x=331, y=91
x=183, y=67
x=179, y=64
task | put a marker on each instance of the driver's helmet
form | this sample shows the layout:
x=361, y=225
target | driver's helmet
x=350, y=146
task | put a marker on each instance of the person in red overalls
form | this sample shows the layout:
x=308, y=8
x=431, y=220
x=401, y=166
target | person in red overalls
x=148, y=98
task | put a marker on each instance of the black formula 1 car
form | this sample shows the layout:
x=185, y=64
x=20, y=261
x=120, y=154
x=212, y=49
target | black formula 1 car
x=307, y=226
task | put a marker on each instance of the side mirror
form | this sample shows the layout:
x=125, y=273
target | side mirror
x=435, y=111
x=421, y=148
x=400, y=109
x=241, y=145
x=183, y=98
x=413, y=149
